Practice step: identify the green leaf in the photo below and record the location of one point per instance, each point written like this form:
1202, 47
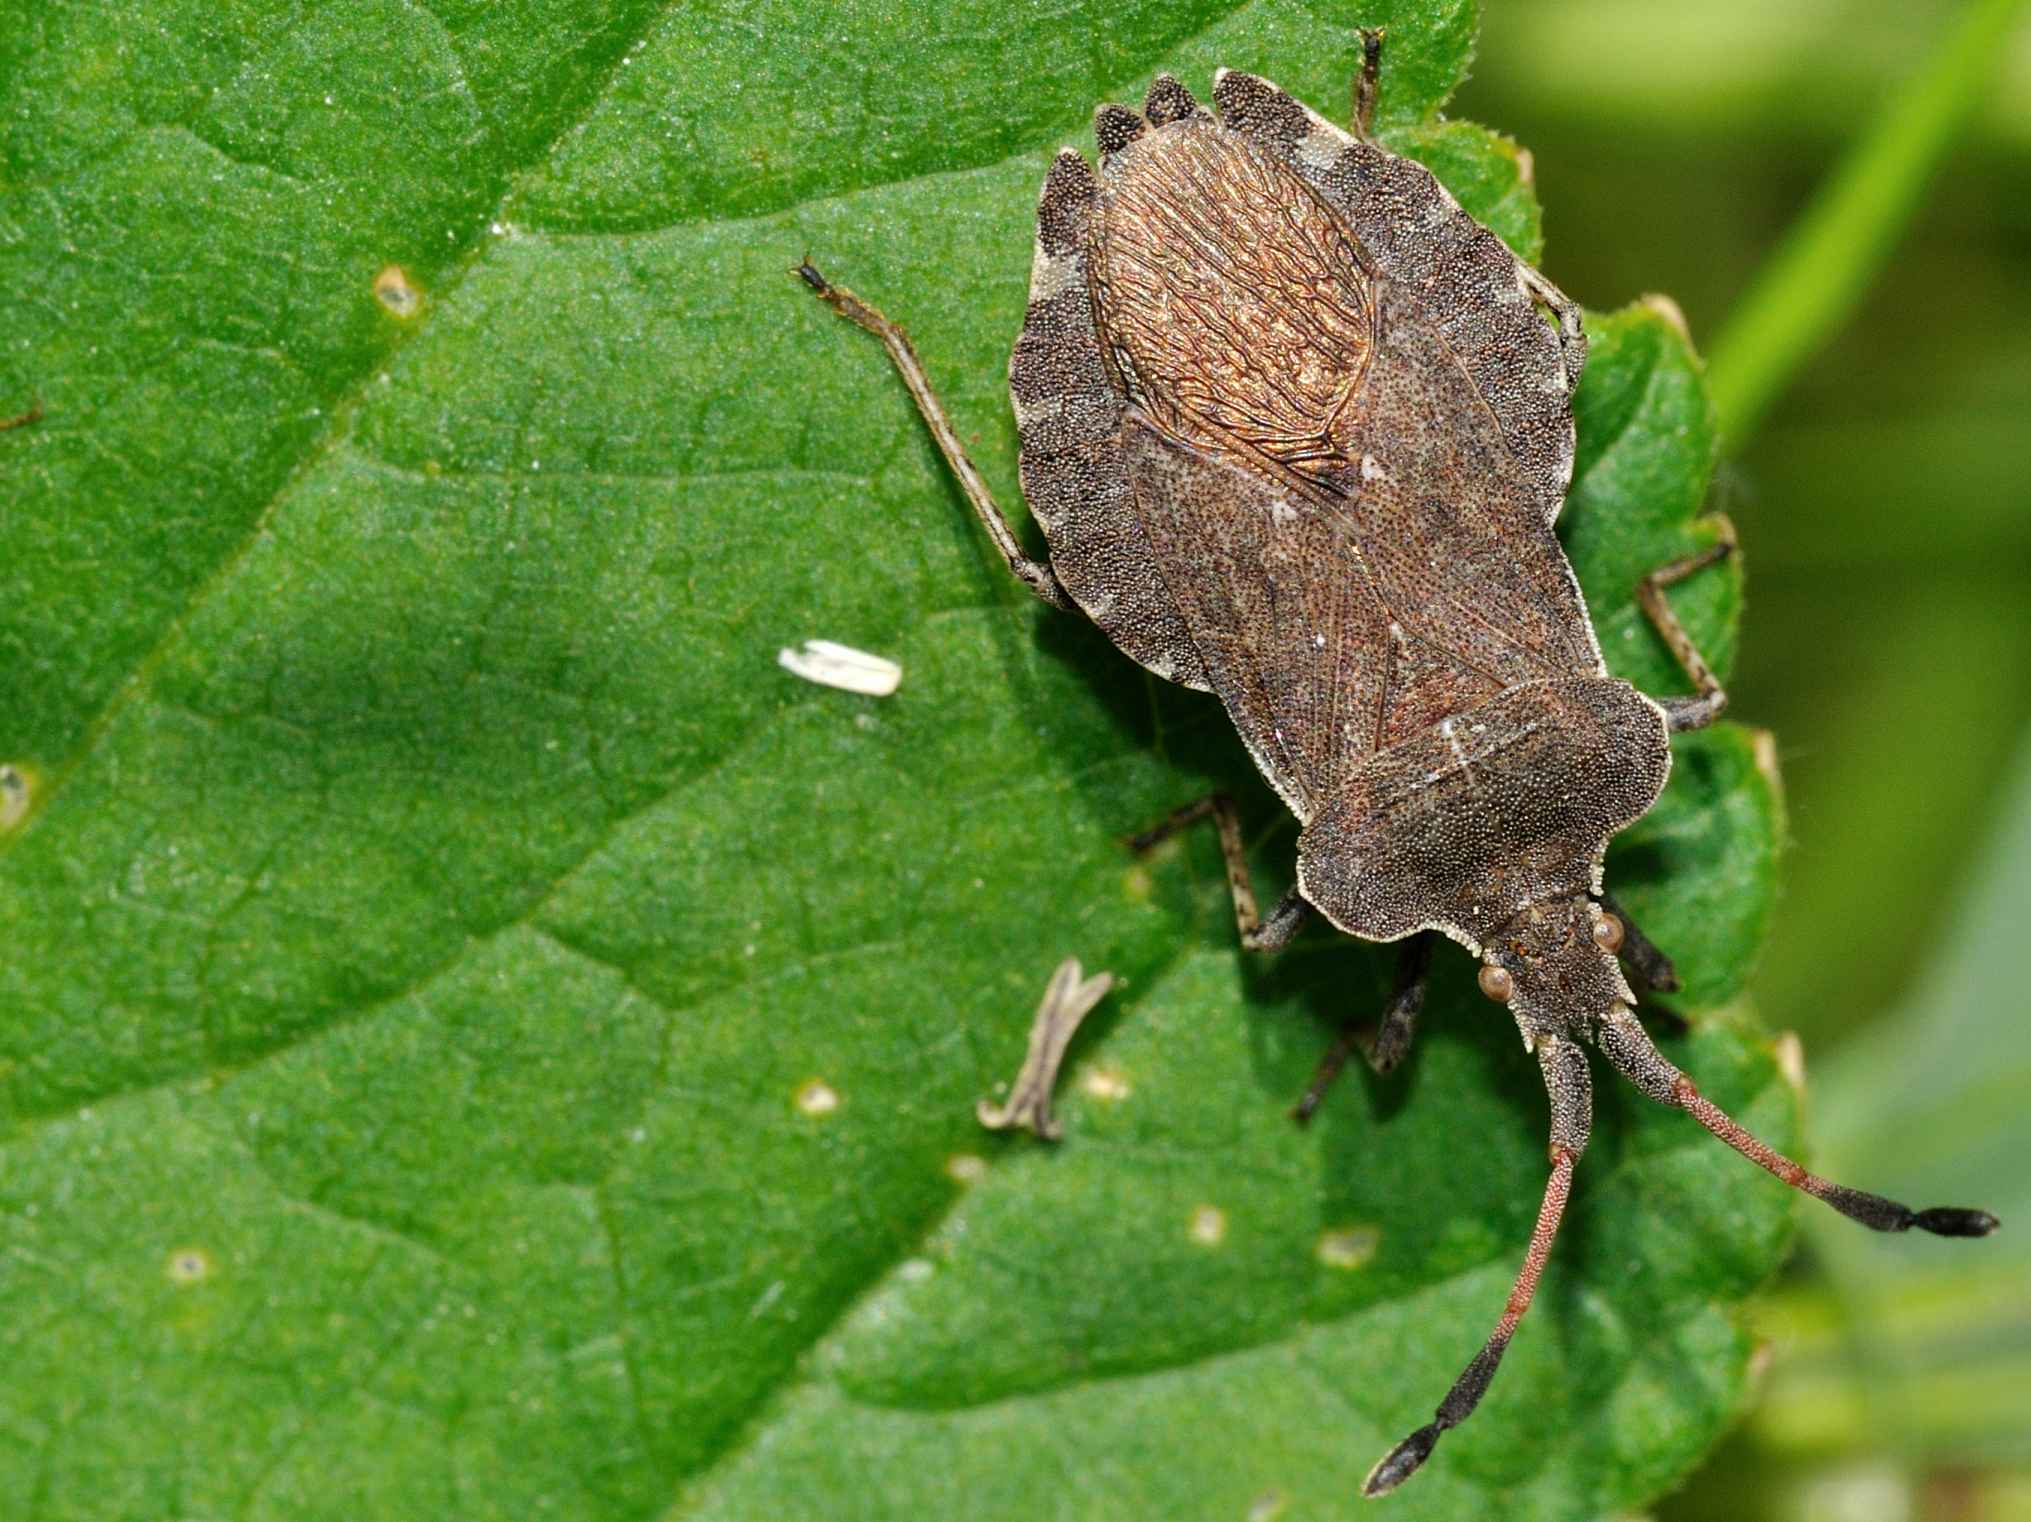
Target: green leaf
433, 902
1485, 170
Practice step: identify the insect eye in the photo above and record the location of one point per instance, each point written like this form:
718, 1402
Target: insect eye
1608, 933
1496, 983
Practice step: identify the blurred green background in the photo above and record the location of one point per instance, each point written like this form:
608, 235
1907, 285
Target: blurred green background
1884, 501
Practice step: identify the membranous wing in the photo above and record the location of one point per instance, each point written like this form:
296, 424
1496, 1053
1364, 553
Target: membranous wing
1235, 305
1328, 495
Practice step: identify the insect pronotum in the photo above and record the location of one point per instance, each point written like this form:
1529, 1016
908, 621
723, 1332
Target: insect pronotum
1297, 428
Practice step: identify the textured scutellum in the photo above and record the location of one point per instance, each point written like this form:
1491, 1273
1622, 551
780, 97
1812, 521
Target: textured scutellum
483, 1041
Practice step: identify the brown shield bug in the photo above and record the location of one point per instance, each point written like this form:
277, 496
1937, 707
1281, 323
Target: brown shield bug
1297, 428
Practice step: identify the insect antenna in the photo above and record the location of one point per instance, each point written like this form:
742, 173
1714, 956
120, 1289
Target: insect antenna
1625, 1044
1571, 1091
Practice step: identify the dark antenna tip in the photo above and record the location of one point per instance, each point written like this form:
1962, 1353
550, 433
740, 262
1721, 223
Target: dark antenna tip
1401, 1462
1955, 1221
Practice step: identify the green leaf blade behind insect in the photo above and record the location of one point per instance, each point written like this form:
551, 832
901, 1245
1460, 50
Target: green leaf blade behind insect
485, 1042
201, 222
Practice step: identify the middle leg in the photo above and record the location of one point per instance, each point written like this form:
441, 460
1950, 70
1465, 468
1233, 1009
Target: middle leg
1711, 698
1257, 933
1406, 1001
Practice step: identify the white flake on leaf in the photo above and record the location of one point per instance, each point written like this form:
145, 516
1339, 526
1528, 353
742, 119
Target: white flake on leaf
834, 665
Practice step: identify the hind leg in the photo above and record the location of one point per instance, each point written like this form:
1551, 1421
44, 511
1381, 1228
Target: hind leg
1034, 574
1368, 80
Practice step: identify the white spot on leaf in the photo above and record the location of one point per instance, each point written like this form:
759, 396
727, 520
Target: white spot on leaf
1208, 1225
1268, 1506
817, 1097
188, 1265
397, 294
1348, 1247
17, 791
1105, 1084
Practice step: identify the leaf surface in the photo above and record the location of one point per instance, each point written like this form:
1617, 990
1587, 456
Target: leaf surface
435, 911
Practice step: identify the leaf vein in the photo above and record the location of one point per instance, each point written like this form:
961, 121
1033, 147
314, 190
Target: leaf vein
337, 430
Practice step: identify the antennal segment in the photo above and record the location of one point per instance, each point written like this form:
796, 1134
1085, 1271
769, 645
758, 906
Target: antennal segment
1572, 1111
1623, 1042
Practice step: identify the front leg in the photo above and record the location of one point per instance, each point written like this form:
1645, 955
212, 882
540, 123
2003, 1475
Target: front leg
1413, 966
1392, 1037
1652, 967
1654, 971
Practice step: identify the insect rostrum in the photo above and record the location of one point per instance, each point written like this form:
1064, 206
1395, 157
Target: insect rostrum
1297, 430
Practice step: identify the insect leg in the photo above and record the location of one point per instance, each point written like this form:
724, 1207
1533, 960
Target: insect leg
1067, 999
1571, 1091
1034, 574
1392, 1037
1570, 319
1406, 1003
1652, 966
1623, 1042
1257, 934
1695, 712
1366, 81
